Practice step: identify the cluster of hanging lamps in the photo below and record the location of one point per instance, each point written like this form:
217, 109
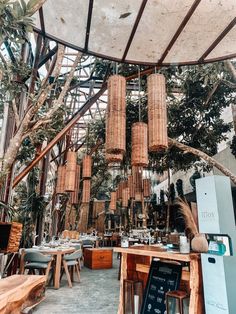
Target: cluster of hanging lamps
113, 158
157, 113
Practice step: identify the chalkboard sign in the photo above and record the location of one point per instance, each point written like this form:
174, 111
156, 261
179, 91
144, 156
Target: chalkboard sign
162, 277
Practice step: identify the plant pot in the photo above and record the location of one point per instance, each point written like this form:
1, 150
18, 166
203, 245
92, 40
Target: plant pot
199, 243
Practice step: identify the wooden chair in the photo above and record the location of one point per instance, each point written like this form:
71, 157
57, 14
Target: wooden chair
72, 261
36, 260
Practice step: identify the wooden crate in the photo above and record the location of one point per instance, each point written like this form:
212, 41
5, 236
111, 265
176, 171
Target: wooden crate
10, 235
97, 258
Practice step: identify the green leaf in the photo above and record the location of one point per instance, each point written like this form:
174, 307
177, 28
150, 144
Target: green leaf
31, 4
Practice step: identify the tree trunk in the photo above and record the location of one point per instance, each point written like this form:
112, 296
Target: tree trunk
211, 161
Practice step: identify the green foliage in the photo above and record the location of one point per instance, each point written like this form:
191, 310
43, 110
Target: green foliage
233, 146
15, 20
179, 188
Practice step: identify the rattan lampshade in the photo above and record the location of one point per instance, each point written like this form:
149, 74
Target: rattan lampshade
146, 187
113, 158
125, 197
157, 113
139, 154
70, 171
116, 115
74, 195
61, 173
112, 205
87, 166
122, 184
86, 191
138, 182
131, 186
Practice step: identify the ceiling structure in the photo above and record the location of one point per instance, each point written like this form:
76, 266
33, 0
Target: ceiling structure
151, 32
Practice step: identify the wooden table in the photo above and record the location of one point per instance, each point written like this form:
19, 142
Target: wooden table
19, 292
138, 259
57, 253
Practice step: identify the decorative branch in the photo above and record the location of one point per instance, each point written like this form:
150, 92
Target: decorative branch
211, 161
15, 111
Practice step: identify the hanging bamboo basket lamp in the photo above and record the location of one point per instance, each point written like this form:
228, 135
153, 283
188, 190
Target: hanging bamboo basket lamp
138, 182
139, 154
157, 113
122, 185
86, 191
87, 166
70, 171
125, 197
131, 186
74, 195
116, 115
146, 187
113, 158
61, 174
112, 205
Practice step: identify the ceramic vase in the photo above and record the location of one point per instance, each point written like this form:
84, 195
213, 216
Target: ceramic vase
199, 243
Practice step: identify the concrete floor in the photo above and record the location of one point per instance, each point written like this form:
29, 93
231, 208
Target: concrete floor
98, 293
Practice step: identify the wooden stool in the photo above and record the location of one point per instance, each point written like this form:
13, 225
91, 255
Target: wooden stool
177, 302
133, 294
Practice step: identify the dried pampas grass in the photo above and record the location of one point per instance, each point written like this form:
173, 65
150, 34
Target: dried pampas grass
188, 216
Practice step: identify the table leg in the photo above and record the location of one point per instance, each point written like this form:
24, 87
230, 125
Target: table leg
196, 291
123, 275
57, 273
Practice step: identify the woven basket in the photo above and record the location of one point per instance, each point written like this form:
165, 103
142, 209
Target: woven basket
86, 191
113, 158
131, 186
157, 113
87, 167
146, 187
70, 171
116, 115
139, 154
74, 195
61, 174
112, 205
125, 197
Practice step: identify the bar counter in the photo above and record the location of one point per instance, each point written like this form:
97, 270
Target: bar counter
136, 260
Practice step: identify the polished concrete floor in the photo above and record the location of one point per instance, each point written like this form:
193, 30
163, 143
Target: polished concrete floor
98, 293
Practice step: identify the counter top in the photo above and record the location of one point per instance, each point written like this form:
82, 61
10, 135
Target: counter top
153, 251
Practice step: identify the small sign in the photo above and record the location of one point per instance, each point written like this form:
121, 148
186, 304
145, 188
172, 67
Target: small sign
163, 277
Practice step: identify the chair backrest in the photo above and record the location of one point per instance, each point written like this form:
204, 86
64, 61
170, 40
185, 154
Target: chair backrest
65, 234
77, 247
88, 242
73, 256
37, 257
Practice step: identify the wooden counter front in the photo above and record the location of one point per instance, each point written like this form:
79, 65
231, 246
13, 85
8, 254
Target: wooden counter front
136, 263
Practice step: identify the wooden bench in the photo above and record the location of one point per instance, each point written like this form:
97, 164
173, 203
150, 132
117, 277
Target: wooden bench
20, 293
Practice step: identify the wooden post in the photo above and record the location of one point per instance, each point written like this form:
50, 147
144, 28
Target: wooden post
123, 275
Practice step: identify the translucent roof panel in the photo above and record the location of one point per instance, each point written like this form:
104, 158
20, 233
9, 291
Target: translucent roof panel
143, 31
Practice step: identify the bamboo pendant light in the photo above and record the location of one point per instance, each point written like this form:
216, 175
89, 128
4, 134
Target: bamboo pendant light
70, 171
157, 113
122, 184
113, 158
116, 115
112, 205
74, 195
131, 186
137, 177
87, 166
61, 174
146, 187
86, 191
125, 197
139, 154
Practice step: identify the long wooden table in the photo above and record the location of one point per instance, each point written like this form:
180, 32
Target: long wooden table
138, 259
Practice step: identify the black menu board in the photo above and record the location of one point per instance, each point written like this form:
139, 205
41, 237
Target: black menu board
162, 277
